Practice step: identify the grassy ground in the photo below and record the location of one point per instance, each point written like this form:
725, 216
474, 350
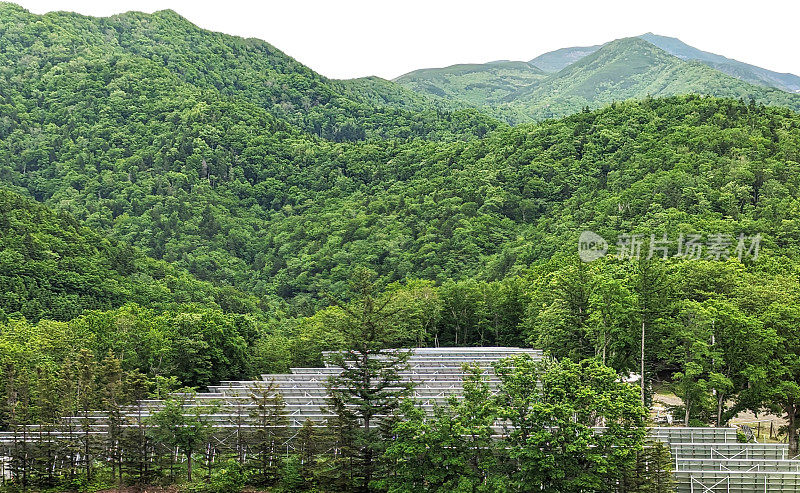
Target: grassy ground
664, 397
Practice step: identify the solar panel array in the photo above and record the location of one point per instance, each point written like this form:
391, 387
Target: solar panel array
706, 460
435, 372
711, 460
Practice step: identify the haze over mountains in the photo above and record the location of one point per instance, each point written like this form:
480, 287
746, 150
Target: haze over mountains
563, 81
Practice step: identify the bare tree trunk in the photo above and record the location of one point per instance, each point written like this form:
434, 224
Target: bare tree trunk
86, 453
367, 425
687, 406
642, 366
792, 430
605, 343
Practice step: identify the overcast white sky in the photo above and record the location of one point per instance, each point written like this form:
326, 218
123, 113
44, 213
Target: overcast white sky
352, 38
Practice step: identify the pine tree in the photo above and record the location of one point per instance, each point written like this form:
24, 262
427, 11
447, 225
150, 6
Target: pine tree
134, 441
86, 399
269, 430
112, 394
653, 472
183, 427
369, 386
49, 411
308, 445
69, 441
17, 407
240, 421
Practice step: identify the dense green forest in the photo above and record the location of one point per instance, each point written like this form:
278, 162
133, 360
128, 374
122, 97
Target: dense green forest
181, 207
54, 268
484, 208
51, 53
191, 175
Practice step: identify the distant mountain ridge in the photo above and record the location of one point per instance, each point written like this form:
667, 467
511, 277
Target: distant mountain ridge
556, 60
735, 68
565, 81
480, 84
553, 61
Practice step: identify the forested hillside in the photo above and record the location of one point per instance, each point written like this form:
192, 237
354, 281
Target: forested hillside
479, 85
54, 268
197, 175
279, 214
168, 49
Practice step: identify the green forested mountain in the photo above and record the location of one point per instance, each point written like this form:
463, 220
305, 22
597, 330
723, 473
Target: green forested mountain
554, 61
82, 123
479, 85
136, 126
178, 53
745, 71
204, 186
143, 146
630, 68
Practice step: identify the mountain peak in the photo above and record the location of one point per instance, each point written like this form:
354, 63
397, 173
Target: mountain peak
744, 71
557, 60
628, 55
